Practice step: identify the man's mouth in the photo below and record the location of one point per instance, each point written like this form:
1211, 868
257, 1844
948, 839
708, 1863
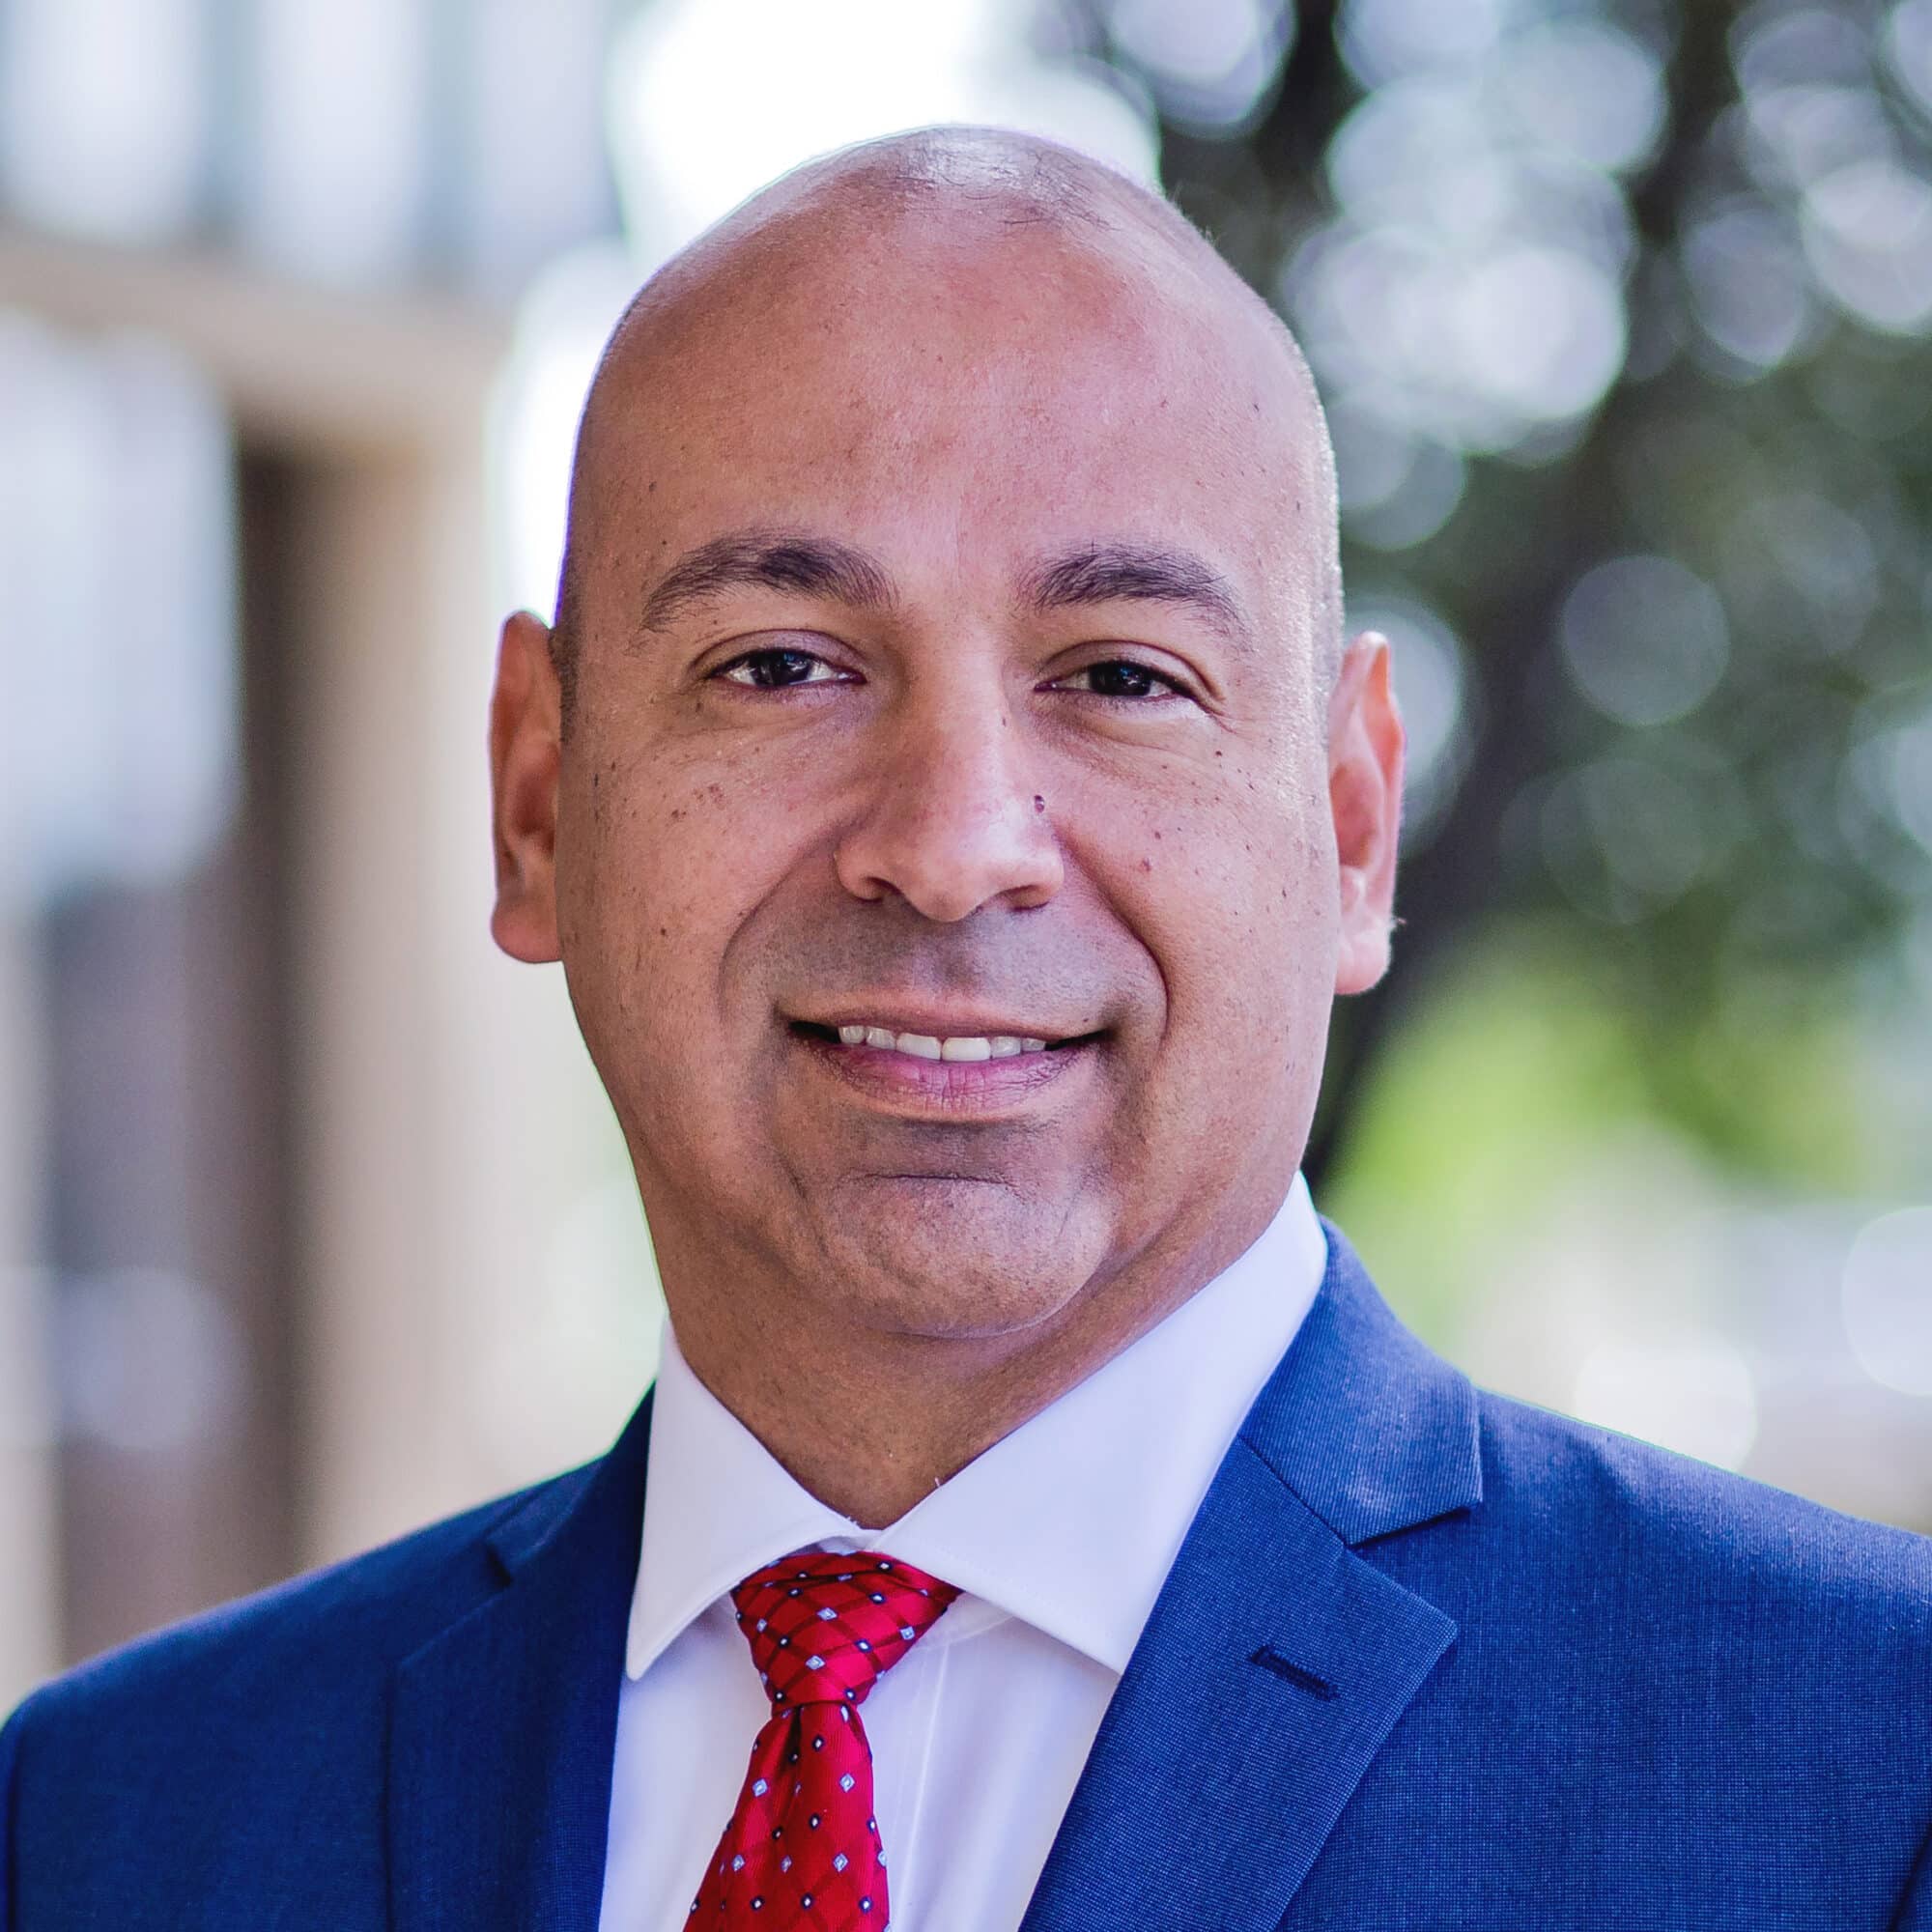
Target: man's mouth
953, 1046
918, 1063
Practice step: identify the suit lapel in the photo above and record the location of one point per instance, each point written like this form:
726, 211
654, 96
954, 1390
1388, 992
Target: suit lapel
504, 1727
1276, 1659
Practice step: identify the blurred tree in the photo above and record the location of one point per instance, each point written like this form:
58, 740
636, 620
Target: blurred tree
1624, 315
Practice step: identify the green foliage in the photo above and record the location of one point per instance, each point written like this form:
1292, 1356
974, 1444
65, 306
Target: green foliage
1527, 1057
1498, 1084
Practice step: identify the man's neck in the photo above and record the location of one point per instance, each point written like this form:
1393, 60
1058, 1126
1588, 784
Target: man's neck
870, 1423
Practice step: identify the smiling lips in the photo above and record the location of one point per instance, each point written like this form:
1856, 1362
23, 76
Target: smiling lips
953, 1046
905, 1065
938, 1075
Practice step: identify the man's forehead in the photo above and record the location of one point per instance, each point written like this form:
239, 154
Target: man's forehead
820, 343
982, 489
835, 361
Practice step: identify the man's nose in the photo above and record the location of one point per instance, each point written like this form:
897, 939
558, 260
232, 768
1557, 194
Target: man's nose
953, 818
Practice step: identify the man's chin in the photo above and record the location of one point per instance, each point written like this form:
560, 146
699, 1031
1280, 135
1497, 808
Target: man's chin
956, 1258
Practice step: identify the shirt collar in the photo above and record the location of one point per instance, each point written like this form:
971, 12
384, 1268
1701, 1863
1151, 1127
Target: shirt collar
1070, 1523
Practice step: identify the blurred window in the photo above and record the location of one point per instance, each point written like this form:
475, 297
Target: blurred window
104, 114
140, 897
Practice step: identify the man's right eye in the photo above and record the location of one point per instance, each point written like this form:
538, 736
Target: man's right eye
769, 671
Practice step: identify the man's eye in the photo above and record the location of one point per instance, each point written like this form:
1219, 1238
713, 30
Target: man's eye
1121, 678
768, 670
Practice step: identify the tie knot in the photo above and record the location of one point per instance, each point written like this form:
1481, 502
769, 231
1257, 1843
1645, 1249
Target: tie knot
824, 1627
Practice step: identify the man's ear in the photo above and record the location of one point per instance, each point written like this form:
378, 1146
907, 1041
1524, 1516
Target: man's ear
526, 757
1365, 765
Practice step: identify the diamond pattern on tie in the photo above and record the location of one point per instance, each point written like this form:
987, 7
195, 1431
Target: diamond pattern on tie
803, 1850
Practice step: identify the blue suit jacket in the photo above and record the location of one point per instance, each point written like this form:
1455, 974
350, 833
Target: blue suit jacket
1427, 1659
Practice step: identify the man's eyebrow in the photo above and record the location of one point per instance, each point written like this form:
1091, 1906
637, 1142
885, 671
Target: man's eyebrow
810, 566
1102, 573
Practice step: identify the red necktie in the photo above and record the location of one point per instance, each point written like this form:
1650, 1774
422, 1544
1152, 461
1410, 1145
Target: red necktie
803, 1850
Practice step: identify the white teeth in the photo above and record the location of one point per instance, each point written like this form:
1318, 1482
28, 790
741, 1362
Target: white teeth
933, 1046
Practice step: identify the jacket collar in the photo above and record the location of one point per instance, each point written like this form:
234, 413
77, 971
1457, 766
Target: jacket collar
1277, 1659
1369, 1429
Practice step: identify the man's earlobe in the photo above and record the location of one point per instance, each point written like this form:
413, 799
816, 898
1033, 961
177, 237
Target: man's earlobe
525, 759
1366, 745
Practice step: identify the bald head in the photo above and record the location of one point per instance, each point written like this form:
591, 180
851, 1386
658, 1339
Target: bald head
869, 234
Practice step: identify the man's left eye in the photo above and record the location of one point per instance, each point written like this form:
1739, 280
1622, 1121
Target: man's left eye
774, 669
1121, 678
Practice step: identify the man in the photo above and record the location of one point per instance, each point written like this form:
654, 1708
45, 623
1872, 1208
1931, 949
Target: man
954, 807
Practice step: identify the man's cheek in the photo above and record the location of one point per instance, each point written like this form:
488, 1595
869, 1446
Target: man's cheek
653, 885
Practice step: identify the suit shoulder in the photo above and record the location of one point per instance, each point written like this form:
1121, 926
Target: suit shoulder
1674, 1516
324, 1628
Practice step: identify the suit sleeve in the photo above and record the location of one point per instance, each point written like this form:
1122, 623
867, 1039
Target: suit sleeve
10, 1753
1914, 1909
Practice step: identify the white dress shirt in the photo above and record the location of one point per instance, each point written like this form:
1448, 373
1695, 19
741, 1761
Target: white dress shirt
1059, 1537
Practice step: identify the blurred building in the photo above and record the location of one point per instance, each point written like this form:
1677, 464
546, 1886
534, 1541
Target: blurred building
293, 1163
